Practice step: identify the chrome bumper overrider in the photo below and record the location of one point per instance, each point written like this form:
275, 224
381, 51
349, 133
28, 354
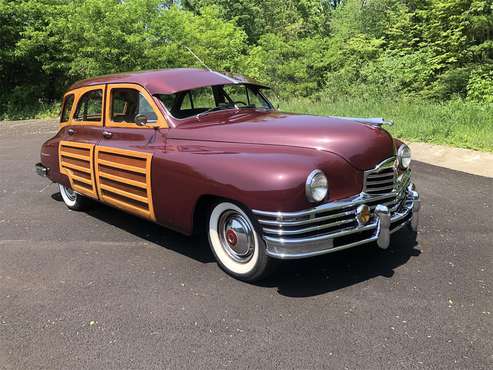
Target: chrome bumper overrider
390, 212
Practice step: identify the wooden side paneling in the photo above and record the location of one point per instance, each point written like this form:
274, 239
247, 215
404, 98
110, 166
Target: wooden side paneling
123, 179
75, 160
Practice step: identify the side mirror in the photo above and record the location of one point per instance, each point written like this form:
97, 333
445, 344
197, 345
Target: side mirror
141, 120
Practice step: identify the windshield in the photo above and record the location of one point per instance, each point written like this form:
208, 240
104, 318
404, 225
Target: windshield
213, 98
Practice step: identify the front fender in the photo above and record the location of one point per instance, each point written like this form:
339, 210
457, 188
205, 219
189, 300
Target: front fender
262, 177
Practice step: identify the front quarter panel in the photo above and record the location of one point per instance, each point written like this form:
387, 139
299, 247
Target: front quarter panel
260, 177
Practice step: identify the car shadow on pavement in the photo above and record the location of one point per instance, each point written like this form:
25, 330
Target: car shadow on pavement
191, 246
298, 278
334, 271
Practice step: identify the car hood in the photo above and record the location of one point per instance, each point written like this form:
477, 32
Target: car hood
362, 145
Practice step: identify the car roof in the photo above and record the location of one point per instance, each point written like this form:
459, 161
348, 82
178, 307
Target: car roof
169, 81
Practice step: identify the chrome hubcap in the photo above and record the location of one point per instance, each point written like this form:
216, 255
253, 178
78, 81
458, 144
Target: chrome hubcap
236, 236
69, 193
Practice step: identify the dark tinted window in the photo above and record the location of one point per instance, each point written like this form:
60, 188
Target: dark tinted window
67, 107
128, 103
90, 106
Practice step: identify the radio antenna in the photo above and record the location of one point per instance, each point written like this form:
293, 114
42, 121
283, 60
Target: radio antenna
196, 57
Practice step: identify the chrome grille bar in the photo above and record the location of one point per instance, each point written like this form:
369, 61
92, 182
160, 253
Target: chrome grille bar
381, 179
305, 222
307, 229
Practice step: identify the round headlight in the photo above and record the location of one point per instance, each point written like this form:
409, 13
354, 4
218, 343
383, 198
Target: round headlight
404, 156
316, 186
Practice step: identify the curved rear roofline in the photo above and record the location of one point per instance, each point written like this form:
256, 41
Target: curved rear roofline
170, 81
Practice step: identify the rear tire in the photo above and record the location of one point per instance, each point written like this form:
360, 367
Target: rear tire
72, 199
238, 247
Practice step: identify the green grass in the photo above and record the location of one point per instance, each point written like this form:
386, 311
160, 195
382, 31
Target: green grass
457, 123
31, 111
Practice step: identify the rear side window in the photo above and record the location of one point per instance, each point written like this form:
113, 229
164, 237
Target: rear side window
67, 108
90, 106
128, 103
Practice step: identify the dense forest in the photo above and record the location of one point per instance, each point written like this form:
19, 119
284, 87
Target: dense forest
434, 50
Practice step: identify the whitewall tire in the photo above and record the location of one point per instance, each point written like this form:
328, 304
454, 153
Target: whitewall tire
72, 199
237, 246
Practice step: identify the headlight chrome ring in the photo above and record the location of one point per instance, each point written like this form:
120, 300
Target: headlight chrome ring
316, 186
404, 156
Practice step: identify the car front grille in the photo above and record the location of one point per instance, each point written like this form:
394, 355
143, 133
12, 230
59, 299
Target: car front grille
381, 179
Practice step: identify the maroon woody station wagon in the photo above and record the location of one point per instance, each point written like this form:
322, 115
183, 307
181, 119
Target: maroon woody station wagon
191, 148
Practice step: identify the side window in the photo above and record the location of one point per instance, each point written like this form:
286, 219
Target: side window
128, 103
169, 101
187, 101
90, 106
237, 93
67, 107
203, 98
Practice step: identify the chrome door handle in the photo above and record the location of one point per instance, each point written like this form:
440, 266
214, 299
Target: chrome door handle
107, 134
71, 131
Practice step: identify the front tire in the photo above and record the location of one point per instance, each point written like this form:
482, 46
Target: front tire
237, 246
72, 199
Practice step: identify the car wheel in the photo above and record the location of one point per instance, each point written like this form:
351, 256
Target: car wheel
238, 248
72, 199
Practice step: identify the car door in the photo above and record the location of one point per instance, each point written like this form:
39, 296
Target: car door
124, 155
81, 128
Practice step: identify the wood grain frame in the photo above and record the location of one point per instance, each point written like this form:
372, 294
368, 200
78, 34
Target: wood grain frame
115, 194
81, 178
77, 95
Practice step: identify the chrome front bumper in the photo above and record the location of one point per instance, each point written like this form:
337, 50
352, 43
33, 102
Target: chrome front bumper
387, 218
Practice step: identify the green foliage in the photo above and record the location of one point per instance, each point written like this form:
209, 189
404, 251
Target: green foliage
425, 50
289, 18
455, 122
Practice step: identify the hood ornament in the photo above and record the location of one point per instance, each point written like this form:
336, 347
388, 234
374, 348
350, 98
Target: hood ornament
369, 121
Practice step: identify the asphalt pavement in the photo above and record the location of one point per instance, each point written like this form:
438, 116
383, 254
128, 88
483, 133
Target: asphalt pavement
106, 290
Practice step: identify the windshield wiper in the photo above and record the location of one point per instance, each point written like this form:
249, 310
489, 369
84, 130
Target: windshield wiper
213, 109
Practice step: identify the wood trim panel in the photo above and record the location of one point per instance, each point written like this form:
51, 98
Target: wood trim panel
160, 122
77, 95
132, 195
81, 184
